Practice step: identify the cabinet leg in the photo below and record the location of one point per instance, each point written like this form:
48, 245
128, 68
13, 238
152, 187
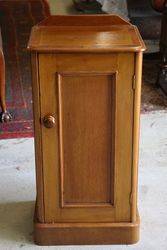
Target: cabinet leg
4, 115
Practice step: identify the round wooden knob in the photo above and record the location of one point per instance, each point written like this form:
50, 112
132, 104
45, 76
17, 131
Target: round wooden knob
49, 121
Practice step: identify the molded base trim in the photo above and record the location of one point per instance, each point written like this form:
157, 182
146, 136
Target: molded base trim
86, 233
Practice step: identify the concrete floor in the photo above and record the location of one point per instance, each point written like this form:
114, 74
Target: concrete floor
17, 190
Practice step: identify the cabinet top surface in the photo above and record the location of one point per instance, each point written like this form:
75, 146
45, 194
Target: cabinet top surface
85, 33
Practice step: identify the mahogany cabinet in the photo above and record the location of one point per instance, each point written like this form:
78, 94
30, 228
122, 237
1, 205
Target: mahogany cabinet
86, 95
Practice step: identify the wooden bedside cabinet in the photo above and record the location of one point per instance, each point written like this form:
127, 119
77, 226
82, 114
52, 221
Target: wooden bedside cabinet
86, 93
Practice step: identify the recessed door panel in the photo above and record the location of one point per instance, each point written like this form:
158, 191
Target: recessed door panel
86, 124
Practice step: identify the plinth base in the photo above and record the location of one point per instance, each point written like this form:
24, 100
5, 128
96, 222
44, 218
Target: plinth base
86, 233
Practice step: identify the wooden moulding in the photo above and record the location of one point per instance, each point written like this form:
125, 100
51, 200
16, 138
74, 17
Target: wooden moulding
46, 234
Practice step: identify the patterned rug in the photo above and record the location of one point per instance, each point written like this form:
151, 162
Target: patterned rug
16, 19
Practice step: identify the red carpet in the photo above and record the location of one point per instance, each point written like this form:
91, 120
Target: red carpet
16, 19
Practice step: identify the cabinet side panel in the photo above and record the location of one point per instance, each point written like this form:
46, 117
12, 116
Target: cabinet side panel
86, 113
38, 139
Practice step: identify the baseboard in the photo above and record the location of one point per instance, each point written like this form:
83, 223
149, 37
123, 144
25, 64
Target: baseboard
86, 233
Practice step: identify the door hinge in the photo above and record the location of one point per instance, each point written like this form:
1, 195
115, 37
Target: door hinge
130, 198
134, 82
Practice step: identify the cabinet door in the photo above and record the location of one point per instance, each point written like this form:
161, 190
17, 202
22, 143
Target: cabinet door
87, 155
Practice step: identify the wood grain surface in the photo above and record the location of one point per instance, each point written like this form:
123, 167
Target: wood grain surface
97, 33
